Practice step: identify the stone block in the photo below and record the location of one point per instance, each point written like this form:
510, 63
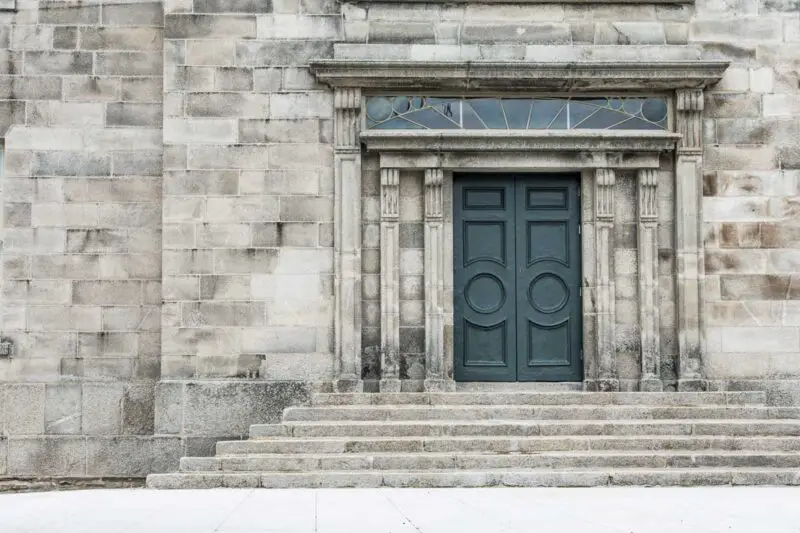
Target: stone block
118, 456
65, 37
227, 105
199, 314
132, 39
306, 209
629, 33
188, 261
64, 63
25, 406
65, 12
211, 53
245, 261
27, 37
62, 412
294, 26
142, 89
139, 163
233, 79
11, 113
232, 6
144, 13
537, 33
228, 409
242, 209
225, 287
106, 292
129, 63
295, 106
138, 409
286, 131
759, 287
269, 53
95, 89
228, 157
761, 29
133, 114
47, 456
205, 26
202, 182
30, 87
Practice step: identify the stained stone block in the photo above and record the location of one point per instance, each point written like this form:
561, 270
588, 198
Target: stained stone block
306, 209
733, 29
70, 164
245, 261
205, 26
232, 6
133, 114
121, 39
629, 33
65, 38
62, 413
189, 261
266, 53
201, 182
539, 33
138, 409
65, 12
58, 63
47, 456
91, 89
210, 52
233, 79
106, 292
294, 106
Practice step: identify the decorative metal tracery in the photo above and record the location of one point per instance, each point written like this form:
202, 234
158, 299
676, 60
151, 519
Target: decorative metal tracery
430, 112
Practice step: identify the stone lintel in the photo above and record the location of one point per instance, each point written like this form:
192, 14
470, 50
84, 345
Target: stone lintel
519, 140
513, 161
585, 76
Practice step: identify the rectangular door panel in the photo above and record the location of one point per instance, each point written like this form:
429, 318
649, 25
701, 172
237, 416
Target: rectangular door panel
548, 280
484, 263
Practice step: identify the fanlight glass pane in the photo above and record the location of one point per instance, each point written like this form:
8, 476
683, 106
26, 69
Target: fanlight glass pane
429, 112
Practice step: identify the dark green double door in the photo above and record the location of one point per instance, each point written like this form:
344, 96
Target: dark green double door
517, 308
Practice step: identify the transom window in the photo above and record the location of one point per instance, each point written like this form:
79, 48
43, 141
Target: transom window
433, 112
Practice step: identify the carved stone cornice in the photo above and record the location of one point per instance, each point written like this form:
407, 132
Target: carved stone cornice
519, 140
587, 76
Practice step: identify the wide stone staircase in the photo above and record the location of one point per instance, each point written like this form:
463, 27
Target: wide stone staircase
515, 439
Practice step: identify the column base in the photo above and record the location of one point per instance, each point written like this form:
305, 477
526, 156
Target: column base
348, 384
650, 385
390, 385
440, 385
692, 385
607, 385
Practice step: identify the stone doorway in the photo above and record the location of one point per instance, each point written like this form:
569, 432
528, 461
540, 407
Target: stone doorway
517, 281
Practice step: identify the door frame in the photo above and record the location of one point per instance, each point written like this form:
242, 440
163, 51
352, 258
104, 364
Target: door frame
514, 178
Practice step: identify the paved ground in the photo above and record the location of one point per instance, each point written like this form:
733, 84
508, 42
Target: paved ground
607, 510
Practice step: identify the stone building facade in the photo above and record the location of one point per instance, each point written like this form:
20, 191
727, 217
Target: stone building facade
201, 227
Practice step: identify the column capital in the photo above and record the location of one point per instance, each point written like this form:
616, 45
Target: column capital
689, 99
434, 177
689, 120
347, 98
648, 194
605, 178
390, 193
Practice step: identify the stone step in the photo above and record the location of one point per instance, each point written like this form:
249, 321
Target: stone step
528, 428
593, 477
482, 461
517, 412
500, 444
529, 386
543, 398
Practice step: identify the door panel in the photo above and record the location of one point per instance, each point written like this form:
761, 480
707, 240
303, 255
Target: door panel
548, 281
484, 261
516, 278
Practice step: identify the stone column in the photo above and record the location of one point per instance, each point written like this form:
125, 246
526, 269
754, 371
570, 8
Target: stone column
390, 280
347, 240
435, 378
688, 239
605, 285
647, 234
